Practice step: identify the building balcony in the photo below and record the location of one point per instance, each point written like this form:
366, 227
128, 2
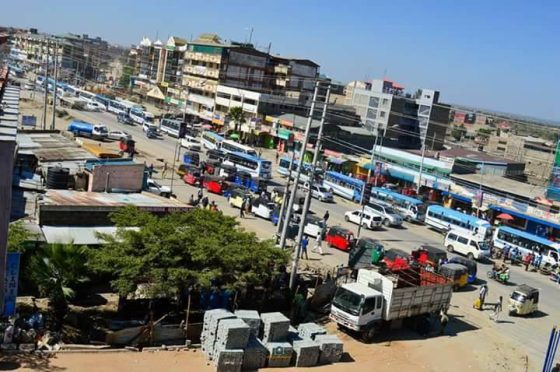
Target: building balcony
201, 71
195, 56
282, 69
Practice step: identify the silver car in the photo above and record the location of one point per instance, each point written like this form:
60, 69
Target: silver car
389, 215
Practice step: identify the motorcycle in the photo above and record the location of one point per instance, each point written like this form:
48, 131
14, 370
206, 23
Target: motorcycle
502, 277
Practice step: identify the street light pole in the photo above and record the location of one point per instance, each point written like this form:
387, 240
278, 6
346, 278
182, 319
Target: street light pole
298, 171
307, 201
285, 198
175, 156
372, 165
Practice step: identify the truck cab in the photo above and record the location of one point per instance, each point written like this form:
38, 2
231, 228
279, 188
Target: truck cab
356, 306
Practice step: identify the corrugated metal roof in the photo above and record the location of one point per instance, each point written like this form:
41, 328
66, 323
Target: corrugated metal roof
71, 198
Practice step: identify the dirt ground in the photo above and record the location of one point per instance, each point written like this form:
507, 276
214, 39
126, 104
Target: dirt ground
475, 350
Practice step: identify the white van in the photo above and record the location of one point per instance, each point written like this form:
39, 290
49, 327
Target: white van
467, 245
191, 143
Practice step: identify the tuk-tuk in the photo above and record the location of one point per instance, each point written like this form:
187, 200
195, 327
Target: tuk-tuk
191, 158
396, 259
429, 255
469, 264
365, 252
212, 166
216, 155
228, 172
524, 300
192, 175
214, 184
237, 197
341, 238
455, 272
277, 194
256, 185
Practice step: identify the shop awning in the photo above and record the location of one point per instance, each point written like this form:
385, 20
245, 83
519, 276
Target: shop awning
458, 197
402, 175
524, 216
337, 161
155, 92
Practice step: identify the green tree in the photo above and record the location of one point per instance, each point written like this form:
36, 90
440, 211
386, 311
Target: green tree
238, 116
17, 236
124, 80
179, 250
458, 132
57, 269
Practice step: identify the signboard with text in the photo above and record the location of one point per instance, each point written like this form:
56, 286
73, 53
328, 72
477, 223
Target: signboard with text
11, 283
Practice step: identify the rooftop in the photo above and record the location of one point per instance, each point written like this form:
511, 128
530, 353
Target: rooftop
51, 146
465, 154
503, 185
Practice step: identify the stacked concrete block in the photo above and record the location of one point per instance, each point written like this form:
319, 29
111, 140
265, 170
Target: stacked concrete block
211, 321
232, 334
252, 318
306, 353
310, 330
280, 354
255, 355
293, 335
229, 360
275, 327
331, 348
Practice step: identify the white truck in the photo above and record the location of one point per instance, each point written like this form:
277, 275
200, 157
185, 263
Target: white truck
376, 301
155, 188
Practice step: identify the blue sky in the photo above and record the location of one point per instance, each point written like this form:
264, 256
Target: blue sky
497, 54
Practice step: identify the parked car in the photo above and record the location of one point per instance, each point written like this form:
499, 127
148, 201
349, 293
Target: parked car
369, 220
319, 192
124, 118
150, 133
458, 242
156, 188
341, 238
389, 215
313, 225
191, 143
263, 208
117, 135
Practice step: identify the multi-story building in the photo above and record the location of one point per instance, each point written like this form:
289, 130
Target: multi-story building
537, 154
147, 59
292, 77
408, 120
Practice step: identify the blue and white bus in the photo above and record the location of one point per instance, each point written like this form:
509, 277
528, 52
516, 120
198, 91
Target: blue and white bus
86, 96
526, 243
103, 99
255, 166
284, 166
211, 140
229, 146
284, 170
138, 115
345, 186
411, 209
118, 107
445, 219
172, 127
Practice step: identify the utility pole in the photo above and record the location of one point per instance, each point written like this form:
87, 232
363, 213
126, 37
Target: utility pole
55, 84
46, 88
307, 201
372, 165
298, 172
421, 168
285, 198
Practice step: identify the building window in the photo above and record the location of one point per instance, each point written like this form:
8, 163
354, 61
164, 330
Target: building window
424, 110
371, 114
381, 114
373, 101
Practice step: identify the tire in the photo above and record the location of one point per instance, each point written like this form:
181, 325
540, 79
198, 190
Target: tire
365, 226
386, 222
470, 256
408, 219
368, 334
489, 275
450, 248
346, 219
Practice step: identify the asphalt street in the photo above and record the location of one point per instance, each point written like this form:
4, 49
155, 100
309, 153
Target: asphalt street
530, 333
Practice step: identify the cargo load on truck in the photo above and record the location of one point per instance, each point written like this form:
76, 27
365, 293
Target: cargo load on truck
378, 300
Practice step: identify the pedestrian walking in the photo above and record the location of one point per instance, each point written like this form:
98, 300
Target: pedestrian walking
304, 243
151, 170
200, 194
505, 253
537, 261
164, 171
497, 310
528, 260
242, 209
482, 293
191, 200
277, 157
318, 243
326, 217
443, 320
205, 202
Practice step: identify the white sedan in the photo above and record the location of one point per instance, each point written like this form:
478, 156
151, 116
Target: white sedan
117, 135
262, 208
369, 219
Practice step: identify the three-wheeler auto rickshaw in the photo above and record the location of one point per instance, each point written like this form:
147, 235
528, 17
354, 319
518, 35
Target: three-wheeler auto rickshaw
192, 175
341, 238
524, 300
214, 184
396, 259
429, 255
469, 264
457, 273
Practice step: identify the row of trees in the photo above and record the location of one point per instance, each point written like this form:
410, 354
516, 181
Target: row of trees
163, 254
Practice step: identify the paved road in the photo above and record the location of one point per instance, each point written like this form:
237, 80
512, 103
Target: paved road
530, 333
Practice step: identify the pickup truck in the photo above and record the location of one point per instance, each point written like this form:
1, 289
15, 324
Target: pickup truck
155, 188
379, 301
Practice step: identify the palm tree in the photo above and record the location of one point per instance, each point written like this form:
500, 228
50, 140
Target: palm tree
57, 268
238, 116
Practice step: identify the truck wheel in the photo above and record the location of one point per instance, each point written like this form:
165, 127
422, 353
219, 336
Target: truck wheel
470, 256
368, 334
346, 219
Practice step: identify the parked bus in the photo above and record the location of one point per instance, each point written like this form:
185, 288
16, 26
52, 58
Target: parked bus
211, 140
256, 167
71, 91
138, 115
526, 243
229, 146
86, 96
118, 107
284, 166
345, 186
173, 128
411, 209
445, 219
103, 99
284, 170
